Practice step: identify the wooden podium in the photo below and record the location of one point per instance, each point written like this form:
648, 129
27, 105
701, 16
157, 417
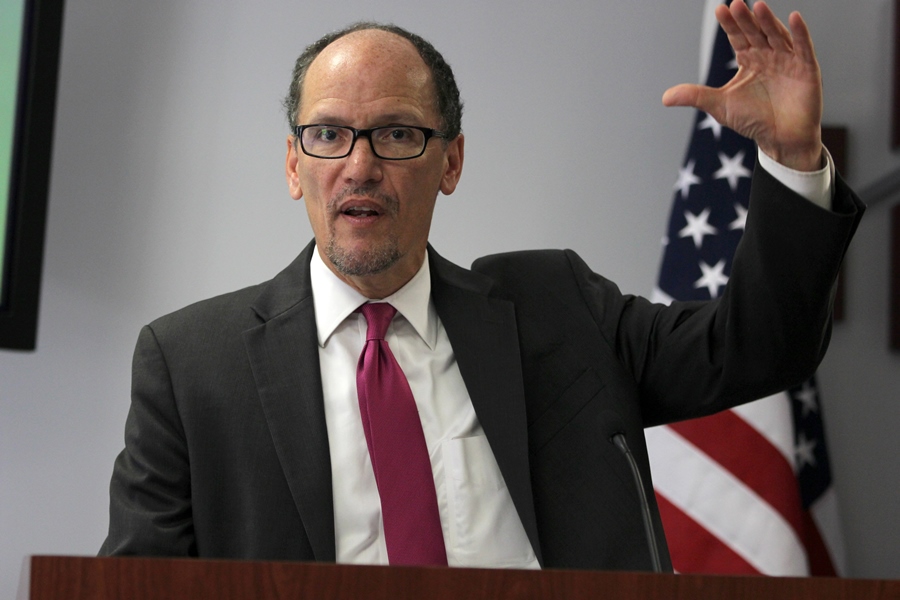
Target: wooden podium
81, 578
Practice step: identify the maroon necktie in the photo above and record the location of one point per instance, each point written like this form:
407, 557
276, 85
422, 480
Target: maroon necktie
409, 510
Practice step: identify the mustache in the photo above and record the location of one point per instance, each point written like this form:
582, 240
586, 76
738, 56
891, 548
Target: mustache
390, 203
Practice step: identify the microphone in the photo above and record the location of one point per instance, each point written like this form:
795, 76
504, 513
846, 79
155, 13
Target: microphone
618, 439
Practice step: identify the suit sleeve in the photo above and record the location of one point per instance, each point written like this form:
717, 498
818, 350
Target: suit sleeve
767, 332
150, 492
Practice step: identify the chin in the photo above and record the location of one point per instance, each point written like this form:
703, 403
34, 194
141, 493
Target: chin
361, 262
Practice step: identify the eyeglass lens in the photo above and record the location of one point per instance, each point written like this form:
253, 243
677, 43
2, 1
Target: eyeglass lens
331, 141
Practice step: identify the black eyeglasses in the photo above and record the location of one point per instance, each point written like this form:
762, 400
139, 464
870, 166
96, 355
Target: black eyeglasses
394, 142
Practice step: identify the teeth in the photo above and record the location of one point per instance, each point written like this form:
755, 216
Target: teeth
354, 211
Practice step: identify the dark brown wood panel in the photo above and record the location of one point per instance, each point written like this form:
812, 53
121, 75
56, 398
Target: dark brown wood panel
75, 578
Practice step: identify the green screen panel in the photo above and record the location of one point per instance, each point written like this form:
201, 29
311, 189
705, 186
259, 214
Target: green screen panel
11, 15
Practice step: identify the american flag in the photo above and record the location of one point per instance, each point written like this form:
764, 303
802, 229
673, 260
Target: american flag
746, 491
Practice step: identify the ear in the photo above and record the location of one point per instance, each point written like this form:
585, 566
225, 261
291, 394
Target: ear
291, 163
454, 165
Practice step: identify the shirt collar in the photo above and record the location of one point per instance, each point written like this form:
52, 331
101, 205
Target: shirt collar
334, 301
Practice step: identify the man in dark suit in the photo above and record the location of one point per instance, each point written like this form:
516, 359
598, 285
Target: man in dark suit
245, 439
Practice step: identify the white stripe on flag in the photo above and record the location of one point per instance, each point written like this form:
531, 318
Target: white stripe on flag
707, 35
723, 505
772, 418
660, 297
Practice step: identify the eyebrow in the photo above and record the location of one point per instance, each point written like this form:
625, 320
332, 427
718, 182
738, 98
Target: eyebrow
398, 118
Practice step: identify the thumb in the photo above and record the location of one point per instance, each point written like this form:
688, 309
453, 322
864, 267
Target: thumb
691, 94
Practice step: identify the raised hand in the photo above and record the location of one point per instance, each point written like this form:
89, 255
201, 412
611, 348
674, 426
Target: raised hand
776, 96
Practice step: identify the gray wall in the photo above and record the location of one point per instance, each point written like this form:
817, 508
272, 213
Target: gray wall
168, 187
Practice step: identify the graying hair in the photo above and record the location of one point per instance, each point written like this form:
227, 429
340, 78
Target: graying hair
449, 105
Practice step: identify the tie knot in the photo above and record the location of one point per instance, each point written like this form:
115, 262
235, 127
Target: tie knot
378, 316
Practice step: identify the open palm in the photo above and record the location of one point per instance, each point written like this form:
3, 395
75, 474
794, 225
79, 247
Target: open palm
776, 96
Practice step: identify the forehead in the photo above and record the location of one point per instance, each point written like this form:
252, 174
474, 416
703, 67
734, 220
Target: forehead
365, 72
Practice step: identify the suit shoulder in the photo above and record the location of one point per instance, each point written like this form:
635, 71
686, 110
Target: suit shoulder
224, 312
558, 280
518, 257
224, 318
533, 267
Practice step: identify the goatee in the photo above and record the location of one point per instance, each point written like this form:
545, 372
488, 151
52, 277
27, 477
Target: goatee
363, 262
369, 261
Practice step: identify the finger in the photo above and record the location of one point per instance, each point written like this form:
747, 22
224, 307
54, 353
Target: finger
680, 95
803, 44
778, 36
746, 20
735, 36
701, 97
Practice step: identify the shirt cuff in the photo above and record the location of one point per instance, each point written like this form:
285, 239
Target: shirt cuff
815, 186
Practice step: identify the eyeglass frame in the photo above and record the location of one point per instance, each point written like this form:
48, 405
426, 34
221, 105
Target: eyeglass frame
367, 133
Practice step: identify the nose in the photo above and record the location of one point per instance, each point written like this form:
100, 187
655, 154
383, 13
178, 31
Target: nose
362, 165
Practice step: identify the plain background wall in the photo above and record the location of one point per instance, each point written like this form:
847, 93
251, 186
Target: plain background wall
168, 187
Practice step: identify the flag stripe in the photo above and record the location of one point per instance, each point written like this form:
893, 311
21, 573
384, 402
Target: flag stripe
820, 562
701, 552
736, 439
723, 505
771, 417
824, 513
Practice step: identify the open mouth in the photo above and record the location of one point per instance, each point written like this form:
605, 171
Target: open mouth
360, 211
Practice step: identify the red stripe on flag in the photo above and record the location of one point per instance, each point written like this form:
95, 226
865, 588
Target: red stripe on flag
820, 563
742, 450
696, 550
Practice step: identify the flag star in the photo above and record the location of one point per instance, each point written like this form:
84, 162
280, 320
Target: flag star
697, 226
710, 123
732, 169
686, 179
807, 397
713, 278
740, 221
805, 451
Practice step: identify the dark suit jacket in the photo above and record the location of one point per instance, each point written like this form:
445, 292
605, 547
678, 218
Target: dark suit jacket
226, 451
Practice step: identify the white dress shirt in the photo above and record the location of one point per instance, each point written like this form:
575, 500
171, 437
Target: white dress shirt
815, 186
480, 524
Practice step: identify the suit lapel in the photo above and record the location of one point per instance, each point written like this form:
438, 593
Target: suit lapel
483, 333
284, 357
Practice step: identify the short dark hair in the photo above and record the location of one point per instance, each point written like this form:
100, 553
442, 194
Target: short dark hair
449, 105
